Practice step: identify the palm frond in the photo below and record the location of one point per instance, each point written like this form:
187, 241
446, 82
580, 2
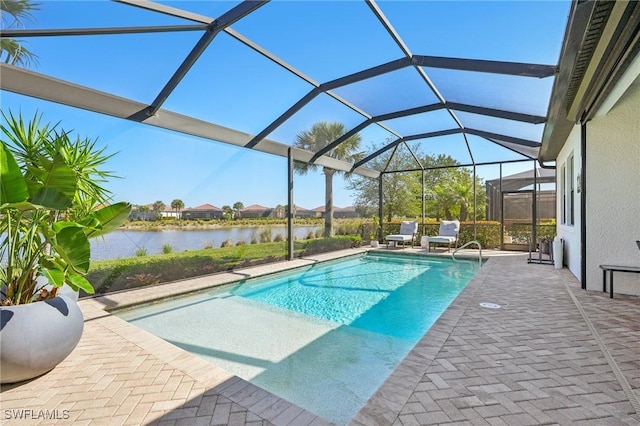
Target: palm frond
18, 10
322, 134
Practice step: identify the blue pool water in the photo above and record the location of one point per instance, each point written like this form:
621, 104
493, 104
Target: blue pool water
324, 337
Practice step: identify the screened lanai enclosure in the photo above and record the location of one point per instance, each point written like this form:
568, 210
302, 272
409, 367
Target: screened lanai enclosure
423, 86
525, 206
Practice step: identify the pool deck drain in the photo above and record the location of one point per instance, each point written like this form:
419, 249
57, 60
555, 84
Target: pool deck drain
541, 358
489, 305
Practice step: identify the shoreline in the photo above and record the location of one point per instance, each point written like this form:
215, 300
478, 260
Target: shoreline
154, 226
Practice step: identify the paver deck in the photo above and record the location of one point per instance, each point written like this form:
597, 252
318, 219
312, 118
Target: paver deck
551, 354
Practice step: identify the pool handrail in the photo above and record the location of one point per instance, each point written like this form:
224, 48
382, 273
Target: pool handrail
467, 244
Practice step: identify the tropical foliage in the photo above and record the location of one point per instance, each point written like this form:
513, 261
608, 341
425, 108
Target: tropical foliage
51, 203
227, 212
158, 208
448, 189
319, 136
177, 205
237, 207
13, 13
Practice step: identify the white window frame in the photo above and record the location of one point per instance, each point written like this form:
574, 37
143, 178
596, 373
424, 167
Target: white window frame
571, 190
563, 194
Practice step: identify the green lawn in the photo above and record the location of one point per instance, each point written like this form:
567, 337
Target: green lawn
119, 274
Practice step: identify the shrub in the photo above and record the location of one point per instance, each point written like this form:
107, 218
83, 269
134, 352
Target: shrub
487, 232
141, 252
347, 227
265, 235
227, 243
141, 280
167, 248
118, 274
323, 245
241, 243
356, 241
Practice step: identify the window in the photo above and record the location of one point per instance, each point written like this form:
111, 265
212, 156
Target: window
563, 194
570, 190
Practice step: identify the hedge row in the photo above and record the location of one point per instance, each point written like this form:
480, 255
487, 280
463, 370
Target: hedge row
487, 232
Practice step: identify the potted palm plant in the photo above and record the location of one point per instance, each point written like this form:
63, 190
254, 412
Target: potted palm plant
51, 203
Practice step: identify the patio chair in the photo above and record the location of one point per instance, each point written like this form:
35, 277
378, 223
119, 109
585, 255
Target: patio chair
448, 234
408, 231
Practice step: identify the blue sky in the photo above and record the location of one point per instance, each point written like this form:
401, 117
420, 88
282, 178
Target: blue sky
236, 87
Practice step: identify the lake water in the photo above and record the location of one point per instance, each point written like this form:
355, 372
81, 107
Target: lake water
125, 243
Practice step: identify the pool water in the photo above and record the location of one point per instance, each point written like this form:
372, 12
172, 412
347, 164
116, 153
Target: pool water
323, 337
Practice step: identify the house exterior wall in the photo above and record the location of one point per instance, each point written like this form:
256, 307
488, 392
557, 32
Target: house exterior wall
305, 213
201, 214
613, 191
256, 214
173, 214
570, 233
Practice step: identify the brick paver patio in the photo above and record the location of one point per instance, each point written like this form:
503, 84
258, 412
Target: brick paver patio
551, 354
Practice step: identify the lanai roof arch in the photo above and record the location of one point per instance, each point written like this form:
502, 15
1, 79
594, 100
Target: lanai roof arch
416, 86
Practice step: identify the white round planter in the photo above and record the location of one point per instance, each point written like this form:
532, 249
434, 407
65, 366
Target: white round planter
34, 338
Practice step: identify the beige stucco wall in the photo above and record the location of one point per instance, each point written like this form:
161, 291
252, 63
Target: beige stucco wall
613, 191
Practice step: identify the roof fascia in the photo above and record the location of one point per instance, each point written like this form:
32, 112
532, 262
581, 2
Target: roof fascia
583, 83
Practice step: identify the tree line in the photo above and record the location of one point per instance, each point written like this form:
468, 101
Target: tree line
449, 190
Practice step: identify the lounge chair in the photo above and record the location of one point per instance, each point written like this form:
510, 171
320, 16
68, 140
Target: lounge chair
448, 234
408, 231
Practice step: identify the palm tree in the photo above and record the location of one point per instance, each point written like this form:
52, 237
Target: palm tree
13, 12
227, 211
320, 135
177, 205
157, 208
463, 192
144, 212
237, 206
32, 141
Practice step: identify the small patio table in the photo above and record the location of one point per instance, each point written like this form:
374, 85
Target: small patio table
611, 269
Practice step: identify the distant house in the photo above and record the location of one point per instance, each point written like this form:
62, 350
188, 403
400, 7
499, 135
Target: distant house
145, 212
302, 212
257, 211
141, 212
169, 212
205, 211
338, 212
345, 212
318, 211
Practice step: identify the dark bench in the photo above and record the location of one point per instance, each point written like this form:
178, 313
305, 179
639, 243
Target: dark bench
611, 268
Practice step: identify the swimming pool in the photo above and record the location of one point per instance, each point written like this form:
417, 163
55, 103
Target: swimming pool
324, 337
